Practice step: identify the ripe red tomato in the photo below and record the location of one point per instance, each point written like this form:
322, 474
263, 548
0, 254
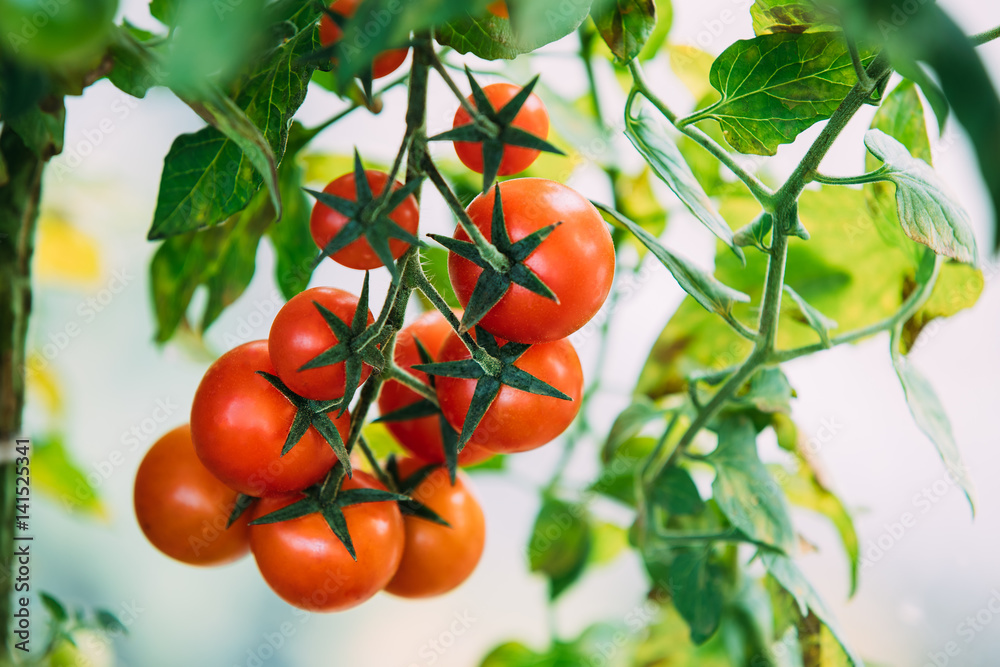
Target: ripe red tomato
308, 566
299, 334
531, 118
517, 420
421, 437
384, 64
182, 509
239, 423
438, 558
325, 223
499, 9
576, 261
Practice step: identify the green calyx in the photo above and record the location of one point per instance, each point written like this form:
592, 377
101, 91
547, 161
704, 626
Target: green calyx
329, 499
368, 217
354, 347
490, 377
498, 276
408, 487
494, 129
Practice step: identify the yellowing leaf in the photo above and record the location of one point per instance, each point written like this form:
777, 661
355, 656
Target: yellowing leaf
692, 66
55, 474
64, 254
43, 384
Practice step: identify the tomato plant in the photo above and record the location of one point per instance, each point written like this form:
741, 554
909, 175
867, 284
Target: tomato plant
240, 423
301, 334
309, 567
471, 357
576, 261
531, 117
421, 436
183, 509
436, 557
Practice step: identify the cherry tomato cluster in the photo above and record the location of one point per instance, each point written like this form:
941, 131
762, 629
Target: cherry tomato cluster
265, 466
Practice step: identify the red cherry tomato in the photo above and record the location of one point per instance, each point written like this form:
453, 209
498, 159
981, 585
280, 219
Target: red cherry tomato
239, 423
384, 64
517, 420
308, 566
325, 223
299, 334
499, 9
532, 118
438, 558
182, 509
576, 261
421, 437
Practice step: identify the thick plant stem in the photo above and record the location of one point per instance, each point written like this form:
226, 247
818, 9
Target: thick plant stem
19, 199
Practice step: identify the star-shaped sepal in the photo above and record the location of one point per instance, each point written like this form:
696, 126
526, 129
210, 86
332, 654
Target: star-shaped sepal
492, 367
329, 500
368, 216
496, 129
426, 408
355, 347
498, 276
408, 487
311, 413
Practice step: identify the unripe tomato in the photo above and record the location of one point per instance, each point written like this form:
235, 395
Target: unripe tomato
183, 509
532, 118
325, 223
576, 261
517, 420
299, 334
384, 64
308, 566
239, 423
438, 558
421, 437
56, 31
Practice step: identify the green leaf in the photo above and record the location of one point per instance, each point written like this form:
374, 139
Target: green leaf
913, 72
133, 70
696, 587
958, 287
294, 248
165, 11
662, 154
55, 608
847, 272
931, 418
755, 232
210, 175
617, 478
41, 131
628, 424
744, 489
816, 320
768, 391
57, 475
776, 86
704, 287
625, 25
221, 258
657, 38
560, 543
793, 16
926, 208
533, 24
788, 575
108, 622
675, 492
608, 541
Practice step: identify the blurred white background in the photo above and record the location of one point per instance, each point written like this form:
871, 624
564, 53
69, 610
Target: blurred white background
915, 593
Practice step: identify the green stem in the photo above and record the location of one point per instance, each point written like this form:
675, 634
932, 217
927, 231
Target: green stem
477, 118
984, 37
757, 188
489, 252
19, 200
422, 283
405, 378
870, 177
376, 466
